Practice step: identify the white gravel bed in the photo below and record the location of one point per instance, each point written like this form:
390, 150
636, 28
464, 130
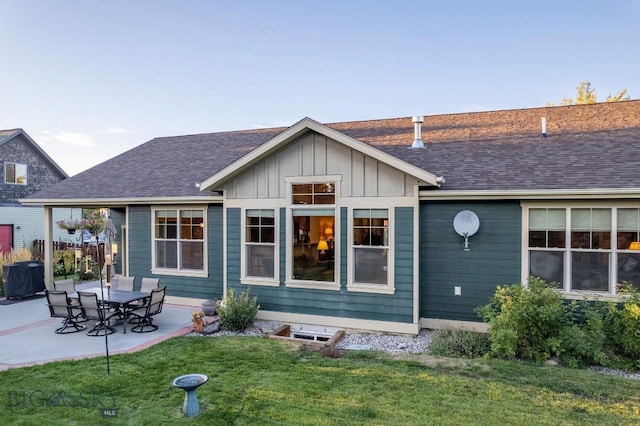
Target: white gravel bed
384, 342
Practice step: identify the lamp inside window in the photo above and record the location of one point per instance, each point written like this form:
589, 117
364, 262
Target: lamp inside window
635, 245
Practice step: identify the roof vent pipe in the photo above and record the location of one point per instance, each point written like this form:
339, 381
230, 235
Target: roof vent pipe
417, 125
543, 134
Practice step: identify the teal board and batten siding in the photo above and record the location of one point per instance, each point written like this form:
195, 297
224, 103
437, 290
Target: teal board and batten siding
397, 307
493, 259
139, 231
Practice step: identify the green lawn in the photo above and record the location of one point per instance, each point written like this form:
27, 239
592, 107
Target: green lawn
254, 380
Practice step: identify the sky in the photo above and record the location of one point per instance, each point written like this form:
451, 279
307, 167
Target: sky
89, 80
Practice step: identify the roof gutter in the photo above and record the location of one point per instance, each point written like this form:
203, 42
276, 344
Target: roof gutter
546, 194
102, 202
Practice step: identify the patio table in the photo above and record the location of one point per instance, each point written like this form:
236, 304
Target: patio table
121, 300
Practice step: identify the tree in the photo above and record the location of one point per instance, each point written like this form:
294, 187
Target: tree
587, 95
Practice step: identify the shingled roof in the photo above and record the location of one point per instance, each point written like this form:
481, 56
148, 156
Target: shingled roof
587, 147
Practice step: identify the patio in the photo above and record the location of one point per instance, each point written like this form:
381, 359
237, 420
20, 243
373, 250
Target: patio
27, 334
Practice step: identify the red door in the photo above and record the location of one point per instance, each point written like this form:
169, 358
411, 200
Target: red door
6, 238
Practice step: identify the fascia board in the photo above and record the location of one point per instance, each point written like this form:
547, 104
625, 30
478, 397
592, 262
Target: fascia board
547, 194
122, 201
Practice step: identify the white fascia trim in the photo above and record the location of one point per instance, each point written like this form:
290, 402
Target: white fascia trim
102, 202
549, 194
302, 127
346, 323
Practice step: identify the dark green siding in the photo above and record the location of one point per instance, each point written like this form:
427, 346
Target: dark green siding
493, 259
394, 307
140, 255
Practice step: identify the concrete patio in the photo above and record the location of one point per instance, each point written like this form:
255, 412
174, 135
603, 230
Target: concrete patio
27, 334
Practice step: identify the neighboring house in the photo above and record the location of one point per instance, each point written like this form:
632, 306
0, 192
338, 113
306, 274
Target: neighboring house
344, 224
25, 169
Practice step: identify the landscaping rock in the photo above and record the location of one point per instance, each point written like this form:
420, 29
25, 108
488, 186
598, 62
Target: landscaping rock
211, 328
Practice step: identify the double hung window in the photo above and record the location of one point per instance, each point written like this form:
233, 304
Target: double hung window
370, 246
179, 239
260, 243
585, 248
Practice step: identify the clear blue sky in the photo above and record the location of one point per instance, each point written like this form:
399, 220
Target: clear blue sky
89, 80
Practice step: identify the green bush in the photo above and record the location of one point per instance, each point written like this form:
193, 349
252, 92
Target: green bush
237, 312
622, 328
534, 323
525, 322
459, 343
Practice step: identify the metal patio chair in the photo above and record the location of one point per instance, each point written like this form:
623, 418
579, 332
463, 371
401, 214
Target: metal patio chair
59, 307
143, 316
92, 310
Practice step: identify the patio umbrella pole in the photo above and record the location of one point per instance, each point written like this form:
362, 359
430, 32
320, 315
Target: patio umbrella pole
104, 312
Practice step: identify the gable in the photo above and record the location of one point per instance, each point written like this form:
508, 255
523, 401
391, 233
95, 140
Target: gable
310, 149
314, 154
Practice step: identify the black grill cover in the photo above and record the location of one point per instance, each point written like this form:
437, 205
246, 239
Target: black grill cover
23, 279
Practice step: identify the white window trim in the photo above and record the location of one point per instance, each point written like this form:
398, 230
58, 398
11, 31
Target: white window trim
289, 280
263, 281
205, 254
388, 288
26, 179
611, 294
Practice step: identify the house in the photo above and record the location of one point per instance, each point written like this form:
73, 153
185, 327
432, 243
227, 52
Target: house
390, 225
26, 169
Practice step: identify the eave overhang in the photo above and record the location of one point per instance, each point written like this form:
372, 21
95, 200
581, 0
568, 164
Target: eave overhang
105, 202
541, 194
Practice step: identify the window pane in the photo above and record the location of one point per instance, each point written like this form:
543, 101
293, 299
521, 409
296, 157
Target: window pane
267, 235
260, 261
581, 240
166, 254
625, 239
628, 220
10, 173
537, 219
590, 271
547, 265
21, 174
370, 266
557, 239
312, 250
601, 240
537, 239
629, 269
580, 219
191, 252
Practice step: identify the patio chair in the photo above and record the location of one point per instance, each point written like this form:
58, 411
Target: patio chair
149, 284
67, 285
59, 307
125, 283
143, 316
92, 310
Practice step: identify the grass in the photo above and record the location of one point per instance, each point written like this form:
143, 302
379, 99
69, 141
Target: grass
253, 380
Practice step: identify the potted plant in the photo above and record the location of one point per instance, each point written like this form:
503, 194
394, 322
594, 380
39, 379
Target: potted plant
94, 222
70, 224
198, 321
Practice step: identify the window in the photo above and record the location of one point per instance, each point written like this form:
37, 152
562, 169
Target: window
260, 243
15, 173
370, 246
313, 232
585, 248
179, 239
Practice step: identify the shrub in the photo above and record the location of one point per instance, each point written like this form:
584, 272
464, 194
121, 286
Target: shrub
237, 312
525, 322
459, 343
622, 327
